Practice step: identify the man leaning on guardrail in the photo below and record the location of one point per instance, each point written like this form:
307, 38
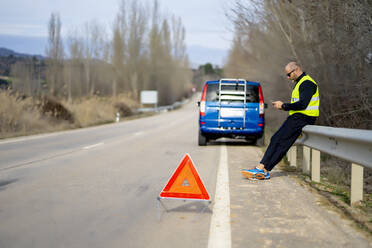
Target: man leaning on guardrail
303, 110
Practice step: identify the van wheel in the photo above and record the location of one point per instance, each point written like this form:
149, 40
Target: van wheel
202, 140
261, 141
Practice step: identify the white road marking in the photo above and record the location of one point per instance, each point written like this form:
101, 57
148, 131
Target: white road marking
138, 133
47, 135
220, 229
92, 146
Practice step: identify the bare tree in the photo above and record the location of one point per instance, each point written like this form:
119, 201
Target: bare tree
55, 55
178, 39
117, 57
182, 77
74, 65
329, 38
137, 27
154, 47
140, 56
120, 48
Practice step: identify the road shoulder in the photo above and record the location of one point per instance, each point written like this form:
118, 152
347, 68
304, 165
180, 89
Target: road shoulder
280, 212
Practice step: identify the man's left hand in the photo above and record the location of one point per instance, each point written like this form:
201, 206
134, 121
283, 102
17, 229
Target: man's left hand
277, 104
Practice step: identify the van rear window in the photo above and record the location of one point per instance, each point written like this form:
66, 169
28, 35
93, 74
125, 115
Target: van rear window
230, 92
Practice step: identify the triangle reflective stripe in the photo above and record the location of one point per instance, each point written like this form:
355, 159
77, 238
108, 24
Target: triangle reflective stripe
185, 182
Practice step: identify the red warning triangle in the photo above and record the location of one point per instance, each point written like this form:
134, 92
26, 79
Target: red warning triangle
185, 182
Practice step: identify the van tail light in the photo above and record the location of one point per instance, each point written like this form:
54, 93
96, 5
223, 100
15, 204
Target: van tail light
261, 103
202, 101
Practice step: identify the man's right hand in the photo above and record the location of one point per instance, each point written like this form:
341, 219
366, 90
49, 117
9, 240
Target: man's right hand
277, 104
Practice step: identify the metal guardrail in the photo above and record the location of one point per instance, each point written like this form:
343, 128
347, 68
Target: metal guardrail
163, 108
175, 105
353, 145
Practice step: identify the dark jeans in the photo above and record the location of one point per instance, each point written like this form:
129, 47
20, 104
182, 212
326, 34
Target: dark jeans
284, 138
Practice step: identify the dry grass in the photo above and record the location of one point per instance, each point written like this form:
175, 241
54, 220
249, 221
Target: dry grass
91, 111
98, 110
24, 116
20, 116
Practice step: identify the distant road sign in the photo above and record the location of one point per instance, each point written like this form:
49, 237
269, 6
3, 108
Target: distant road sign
149, 97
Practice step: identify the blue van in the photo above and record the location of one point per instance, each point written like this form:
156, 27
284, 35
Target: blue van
232, 108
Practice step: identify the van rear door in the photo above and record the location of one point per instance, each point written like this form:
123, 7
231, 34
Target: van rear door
232, 105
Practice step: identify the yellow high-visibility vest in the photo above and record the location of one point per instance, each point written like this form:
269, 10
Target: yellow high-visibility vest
312, 108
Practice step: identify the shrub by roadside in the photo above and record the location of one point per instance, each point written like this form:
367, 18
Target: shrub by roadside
52, 108
91, 111
100, 110
20, 115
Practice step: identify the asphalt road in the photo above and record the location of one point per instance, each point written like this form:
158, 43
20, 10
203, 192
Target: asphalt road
97, 187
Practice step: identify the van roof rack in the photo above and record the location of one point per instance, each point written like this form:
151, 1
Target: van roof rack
232, 79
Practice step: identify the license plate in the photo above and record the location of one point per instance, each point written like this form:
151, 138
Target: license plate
232, 112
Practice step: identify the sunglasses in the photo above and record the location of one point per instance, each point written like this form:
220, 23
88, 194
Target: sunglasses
289, 73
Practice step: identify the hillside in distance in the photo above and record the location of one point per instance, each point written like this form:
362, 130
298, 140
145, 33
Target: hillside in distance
5, 52
9, 57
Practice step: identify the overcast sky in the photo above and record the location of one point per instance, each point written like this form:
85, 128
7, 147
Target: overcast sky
207, 28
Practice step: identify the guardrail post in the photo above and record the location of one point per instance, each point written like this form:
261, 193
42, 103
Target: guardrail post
306, 160
294, 156
356, 183
315, 165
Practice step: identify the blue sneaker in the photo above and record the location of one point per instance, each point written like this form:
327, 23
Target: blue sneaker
256, 174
